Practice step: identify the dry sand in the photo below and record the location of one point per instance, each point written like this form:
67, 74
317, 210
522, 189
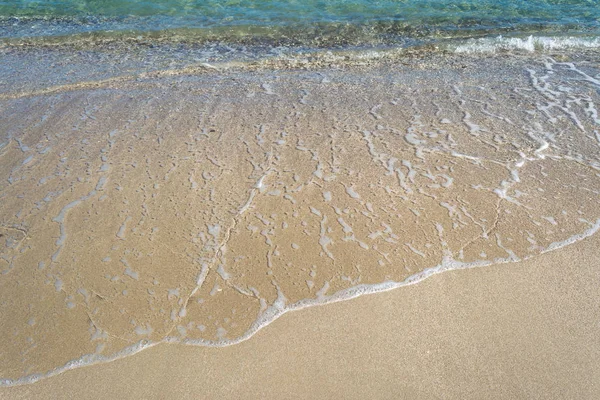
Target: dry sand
517, 331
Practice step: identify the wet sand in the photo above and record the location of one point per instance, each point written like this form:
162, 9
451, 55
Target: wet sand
527, 330
198, 206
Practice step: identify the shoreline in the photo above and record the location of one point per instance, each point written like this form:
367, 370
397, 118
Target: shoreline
424, 168
527, 312
274, 313
107, 65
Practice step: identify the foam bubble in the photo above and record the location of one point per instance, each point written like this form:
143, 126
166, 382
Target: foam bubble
529, 44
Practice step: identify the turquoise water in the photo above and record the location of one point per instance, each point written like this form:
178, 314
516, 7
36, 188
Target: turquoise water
383, 20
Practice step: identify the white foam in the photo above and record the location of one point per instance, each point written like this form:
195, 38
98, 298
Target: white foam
144, 330
529, 44
131, 273
122, 229
352, 193
221, 271
279, 307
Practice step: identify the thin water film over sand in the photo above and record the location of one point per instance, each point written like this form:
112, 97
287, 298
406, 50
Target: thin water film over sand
198, 208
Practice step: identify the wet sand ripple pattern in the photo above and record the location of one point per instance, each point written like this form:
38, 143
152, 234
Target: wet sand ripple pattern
196, 209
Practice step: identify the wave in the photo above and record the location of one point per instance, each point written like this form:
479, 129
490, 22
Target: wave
279, 308
427, 170
319, 33
529, 44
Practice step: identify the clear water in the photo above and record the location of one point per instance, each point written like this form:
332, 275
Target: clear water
146, 198
344, 20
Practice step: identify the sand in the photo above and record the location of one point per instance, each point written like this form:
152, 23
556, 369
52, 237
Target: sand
528, 330
196, 206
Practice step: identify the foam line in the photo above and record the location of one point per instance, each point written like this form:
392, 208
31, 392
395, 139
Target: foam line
279, 308
529, 44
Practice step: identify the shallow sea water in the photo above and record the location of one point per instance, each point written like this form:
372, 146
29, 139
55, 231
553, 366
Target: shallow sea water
155, 190
308, 22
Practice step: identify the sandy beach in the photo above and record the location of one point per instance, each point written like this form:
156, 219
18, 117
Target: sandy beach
519, 331
181, 233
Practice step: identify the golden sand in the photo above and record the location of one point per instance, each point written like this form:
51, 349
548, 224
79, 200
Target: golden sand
198, 208
527, 330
